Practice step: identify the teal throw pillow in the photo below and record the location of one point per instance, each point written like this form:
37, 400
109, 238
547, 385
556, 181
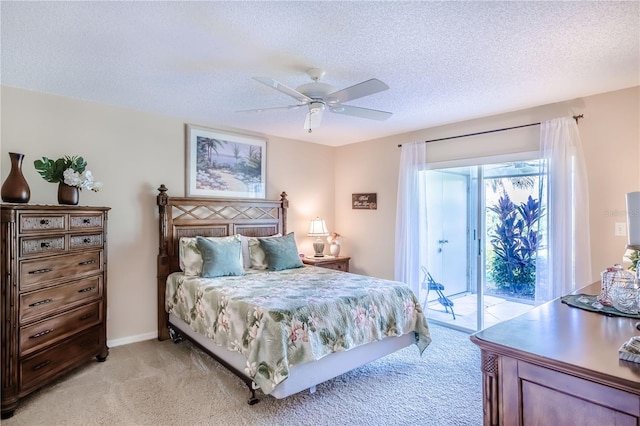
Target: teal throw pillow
281, 252
221, 257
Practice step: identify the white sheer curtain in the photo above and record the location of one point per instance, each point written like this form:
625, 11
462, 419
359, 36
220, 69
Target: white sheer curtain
564, 262
411, 216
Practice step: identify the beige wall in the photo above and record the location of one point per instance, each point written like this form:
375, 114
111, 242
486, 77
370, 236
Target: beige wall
611, 141
132, 153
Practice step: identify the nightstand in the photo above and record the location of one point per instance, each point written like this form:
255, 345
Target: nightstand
339, 263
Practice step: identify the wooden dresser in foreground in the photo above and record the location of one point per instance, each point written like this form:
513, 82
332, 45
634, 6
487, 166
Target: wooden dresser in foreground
559, 365
54, 304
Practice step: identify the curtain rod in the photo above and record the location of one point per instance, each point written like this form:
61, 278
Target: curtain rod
575, 117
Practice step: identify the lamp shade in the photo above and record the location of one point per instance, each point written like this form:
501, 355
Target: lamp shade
318, 228
633, 219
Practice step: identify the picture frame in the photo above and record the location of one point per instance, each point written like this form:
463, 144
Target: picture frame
223, 164
367, 201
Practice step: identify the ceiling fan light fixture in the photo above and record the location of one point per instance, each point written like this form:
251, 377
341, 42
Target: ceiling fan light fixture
316, 107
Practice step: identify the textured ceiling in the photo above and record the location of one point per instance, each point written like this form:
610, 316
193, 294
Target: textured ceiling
443, 61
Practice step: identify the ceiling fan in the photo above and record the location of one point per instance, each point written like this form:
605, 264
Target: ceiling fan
319, 96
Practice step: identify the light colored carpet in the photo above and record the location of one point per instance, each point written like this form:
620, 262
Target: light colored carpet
162, 383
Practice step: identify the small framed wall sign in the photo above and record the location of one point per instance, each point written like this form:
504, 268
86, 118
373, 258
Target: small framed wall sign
364, 201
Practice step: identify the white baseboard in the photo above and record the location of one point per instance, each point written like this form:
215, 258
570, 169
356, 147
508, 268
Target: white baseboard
132, 339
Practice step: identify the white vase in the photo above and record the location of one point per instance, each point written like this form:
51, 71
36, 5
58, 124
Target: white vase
334, 249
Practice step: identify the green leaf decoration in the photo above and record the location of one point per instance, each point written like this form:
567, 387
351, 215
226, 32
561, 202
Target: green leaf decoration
52, 171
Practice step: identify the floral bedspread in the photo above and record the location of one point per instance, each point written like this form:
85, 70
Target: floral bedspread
280, 319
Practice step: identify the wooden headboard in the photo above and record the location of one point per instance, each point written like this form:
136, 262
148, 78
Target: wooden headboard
209, 217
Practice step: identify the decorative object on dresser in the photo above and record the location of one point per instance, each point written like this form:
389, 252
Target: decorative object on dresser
15, 188
71, 175
339, 263
54, 303
557, 365
68, 195
318, 229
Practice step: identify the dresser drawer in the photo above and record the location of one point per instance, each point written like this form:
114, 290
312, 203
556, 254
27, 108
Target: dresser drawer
85, 221
53, 299
35, 273
341, 266
45, 222
49, 331
80, 241
40, 368
42, 245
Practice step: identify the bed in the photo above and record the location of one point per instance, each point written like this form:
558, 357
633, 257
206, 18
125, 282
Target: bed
280, 326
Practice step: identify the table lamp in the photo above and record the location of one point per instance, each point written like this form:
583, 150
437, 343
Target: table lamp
633, 227
633, 220
318, 229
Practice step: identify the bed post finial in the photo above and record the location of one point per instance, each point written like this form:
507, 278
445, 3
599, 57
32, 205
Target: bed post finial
285, 206
163, 201
162, 197
163, 261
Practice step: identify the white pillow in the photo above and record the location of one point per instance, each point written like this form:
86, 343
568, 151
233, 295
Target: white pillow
190, 257
253, 255
244, 241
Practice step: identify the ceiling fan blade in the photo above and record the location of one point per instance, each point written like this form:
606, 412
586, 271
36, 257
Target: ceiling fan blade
270, 108
303, 99
313, 119
372, 114
356, 91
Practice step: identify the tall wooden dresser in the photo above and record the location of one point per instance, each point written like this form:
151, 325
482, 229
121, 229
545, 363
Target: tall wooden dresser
54, 298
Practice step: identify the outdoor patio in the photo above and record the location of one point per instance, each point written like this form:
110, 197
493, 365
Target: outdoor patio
465, 307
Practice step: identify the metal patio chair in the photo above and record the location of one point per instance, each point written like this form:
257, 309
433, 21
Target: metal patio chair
428, 283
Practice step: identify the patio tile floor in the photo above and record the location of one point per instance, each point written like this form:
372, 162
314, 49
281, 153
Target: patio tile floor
465, 307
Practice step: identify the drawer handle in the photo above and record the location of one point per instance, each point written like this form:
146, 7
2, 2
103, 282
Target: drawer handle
44, 221
86, 240
41, 302
40, 271
86, 220
88, 262
42, 333
86, 316
45, 244
84, 290
41, 365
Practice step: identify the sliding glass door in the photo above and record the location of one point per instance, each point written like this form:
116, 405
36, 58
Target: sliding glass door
448, 229
483, 233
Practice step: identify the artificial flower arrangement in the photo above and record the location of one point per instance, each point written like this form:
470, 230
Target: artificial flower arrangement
69, 170
632, 256
334, 238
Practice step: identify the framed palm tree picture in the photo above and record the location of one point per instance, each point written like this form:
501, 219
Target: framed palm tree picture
222, 164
